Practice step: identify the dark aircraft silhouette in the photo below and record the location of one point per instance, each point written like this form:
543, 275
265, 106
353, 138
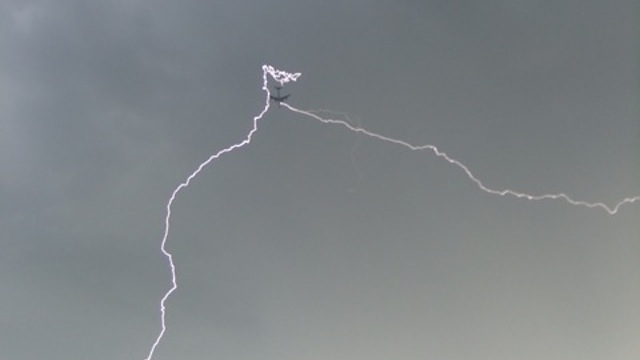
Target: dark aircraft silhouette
279, 98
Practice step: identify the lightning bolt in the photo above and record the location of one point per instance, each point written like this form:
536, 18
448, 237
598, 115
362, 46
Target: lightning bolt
560, 196
281, 77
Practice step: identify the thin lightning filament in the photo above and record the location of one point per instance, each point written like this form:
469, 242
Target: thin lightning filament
283, 77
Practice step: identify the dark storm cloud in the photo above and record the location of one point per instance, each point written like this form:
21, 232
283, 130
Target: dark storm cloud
313, 242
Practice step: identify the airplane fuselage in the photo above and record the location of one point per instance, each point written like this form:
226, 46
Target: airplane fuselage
279, 98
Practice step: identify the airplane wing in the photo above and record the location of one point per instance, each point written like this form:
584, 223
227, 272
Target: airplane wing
279, 98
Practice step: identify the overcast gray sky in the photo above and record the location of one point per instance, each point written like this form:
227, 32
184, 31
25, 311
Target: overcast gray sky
314, 242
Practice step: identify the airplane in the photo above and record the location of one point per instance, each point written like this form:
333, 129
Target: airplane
279, 98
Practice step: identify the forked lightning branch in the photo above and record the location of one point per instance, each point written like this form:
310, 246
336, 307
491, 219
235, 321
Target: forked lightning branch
282, 78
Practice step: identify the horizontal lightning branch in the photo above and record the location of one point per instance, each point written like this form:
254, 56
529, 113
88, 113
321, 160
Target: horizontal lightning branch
611, 210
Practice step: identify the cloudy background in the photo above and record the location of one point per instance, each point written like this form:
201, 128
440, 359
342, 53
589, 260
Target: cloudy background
314, 242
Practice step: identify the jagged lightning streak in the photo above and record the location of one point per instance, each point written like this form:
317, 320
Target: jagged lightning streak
281, 77
611, 210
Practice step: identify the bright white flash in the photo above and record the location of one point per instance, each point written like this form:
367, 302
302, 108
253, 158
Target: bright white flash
283, 77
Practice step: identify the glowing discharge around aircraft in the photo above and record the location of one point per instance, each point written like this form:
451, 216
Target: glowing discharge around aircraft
283, 77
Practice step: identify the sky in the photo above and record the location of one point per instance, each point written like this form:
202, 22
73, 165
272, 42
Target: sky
313, 241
